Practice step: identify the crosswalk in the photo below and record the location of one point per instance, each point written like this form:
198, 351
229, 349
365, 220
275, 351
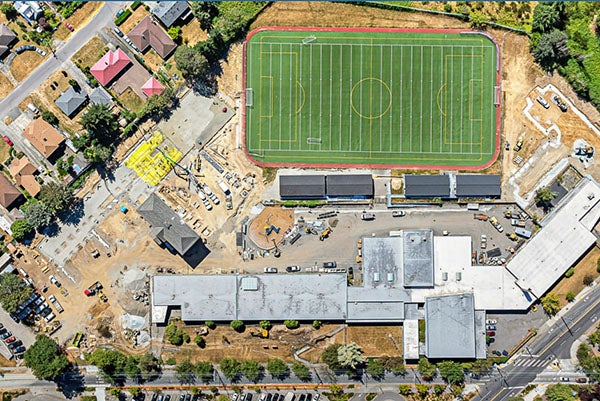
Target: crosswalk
527, 361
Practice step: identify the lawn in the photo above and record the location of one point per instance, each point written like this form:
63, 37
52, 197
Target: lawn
192, 33
5, 86
24, 63
131, 100
90, 53
371, 97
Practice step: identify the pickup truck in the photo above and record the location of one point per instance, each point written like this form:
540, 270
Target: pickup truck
56, 304
517, 223
497, 226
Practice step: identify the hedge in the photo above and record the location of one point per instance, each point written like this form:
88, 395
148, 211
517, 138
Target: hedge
135, 5
123, 17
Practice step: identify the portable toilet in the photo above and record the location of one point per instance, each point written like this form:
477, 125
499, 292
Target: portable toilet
123, 209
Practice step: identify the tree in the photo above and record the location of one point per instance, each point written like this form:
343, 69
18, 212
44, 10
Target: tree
174, 335
545, 17
265, 325
45, 359
131, 368
438, 389
8, 10
405, 389
97, 153
174, 33
451, 371
594, 338
551, 304
588, 279
49, 117
81, 141
560, 392
394, 364
190, 62
204, 371
570, 297
291, 324
200, 341
551, 49
350, 356
426, 368
237, 325
317, 324
13, 292
251, 369
149, 366
210, 324
101, 123
477, 19
422, 389
375, 368
135, 391
184, 371
111, 363
230, 368
157, 106
336, 390
37, 214
301, 370
277, 368
56, 196
204, 11
330, 356
21, 230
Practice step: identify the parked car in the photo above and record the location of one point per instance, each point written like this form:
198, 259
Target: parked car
234, 397
69, 27
490, 321
496, 352
504, 352
270, 270
490, 333
367, 216
491, 327
543, 102
40, 52
581, 380
181, 397
20, 350
54, 281
8, 141
118, 32
351, 272
564, 379
398, 213
5, 335
10, 339
41, 307
291, 269
329, 265
15, 344
49, 318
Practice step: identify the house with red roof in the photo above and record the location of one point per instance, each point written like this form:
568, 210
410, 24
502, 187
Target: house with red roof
112, 64
152, 87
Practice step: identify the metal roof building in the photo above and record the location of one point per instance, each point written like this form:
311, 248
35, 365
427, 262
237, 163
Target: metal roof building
302, 186
426, 186
478, 186
417, 257
350, 186
450, 329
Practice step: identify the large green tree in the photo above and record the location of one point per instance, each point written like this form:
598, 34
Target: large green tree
251, 369
101, 123
560, 392
426, 368
375, 368
351, 356
8, 10
545, 17
45, 358
330, 356
451, 371
149, 366
204, 371
38, 214
190, 62
157, 106
551, 304
56, 196
13, 292
97, 153
21, 230
230, 368
301, 370
184, 371
552, 49
111, 363
277, 368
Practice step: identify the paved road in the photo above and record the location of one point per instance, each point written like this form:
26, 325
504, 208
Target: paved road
62, 54
551, 344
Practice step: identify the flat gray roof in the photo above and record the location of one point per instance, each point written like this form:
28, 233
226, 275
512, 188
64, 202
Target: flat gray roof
450, 326
381, 257
426, 186
301, 186
478, 185
348, 185
417, 255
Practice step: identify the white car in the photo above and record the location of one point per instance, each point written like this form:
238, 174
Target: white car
270, 270
398, 213
54, 281
490, 321
49, 318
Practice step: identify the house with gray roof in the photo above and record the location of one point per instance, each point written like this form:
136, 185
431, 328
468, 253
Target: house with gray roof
168, 12
71, 101
7, 39
100, 96
167, 228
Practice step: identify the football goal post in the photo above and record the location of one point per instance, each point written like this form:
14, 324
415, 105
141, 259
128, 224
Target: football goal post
308, 40
313, 141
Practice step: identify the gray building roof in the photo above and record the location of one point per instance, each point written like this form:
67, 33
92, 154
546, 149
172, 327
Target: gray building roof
417, 257
450, 326
100, 96
251, 297
166, 225
349, 185
70, 101
301, 186
170, 11
426, 186
478, 185
382, 257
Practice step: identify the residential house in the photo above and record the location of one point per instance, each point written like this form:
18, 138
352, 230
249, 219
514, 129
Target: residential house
24, 174
10, 196
101, 96
148, 34
168, 12
45, 138
30, 10
71, 101
7, 38
112, 64
152, 87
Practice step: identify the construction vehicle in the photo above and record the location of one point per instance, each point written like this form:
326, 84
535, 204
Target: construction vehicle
517, 223
508, 214
325, 234
479, 216
519, 144
513, 237
93, 289
102, 297
77, 339
262, 333
359, 244
587, 151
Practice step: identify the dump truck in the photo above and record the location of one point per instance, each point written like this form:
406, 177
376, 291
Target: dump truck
479, 216
56, 304
93, 289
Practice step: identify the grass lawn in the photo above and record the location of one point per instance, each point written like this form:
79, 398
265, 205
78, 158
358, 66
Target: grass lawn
371, 98
192, 33
5, 86
90, 53
4, 151
131, 100
139, 14
84, 14
24, 63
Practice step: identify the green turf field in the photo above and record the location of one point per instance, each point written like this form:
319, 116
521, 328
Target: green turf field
370, 98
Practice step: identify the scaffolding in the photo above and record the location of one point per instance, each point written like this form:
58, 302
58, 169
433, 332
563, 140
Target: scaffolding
152, 163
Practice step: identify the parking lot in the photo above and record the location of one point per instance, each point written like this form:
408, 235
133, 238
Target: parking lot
243, 396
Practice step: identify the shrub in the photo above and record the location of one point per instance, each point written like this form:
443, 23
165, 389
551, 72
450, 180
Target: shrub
200, 341
210, 324
135, 5
265, 325
588, 279
291, 324
237, 325
171, 361
570, 296
570, 272
317, 324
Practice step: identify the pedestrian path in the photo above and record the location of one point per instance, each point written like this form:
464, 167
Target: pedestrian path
527, 361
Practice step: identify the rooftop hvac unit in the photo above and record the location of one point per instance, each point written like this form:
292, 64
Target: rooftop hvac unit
445, 276
458, 276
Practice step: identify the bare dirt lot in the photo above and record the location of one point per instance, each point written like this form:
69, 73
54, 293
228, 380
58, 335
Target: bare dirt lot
90, 53
281, 219
5, 86
586, 266
377, 340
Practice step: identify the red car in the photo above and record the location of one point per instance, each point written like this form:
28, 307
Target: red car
7, 140
491, 333
69, 27
10, 340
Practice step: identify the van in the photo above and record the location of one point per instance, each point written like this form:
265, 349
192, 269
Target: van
32, 108
23, 272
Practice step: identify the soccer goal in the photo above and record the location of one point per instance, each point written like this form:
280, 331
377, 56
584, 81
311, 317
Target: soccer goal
308, 40
313, 141
249, 97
